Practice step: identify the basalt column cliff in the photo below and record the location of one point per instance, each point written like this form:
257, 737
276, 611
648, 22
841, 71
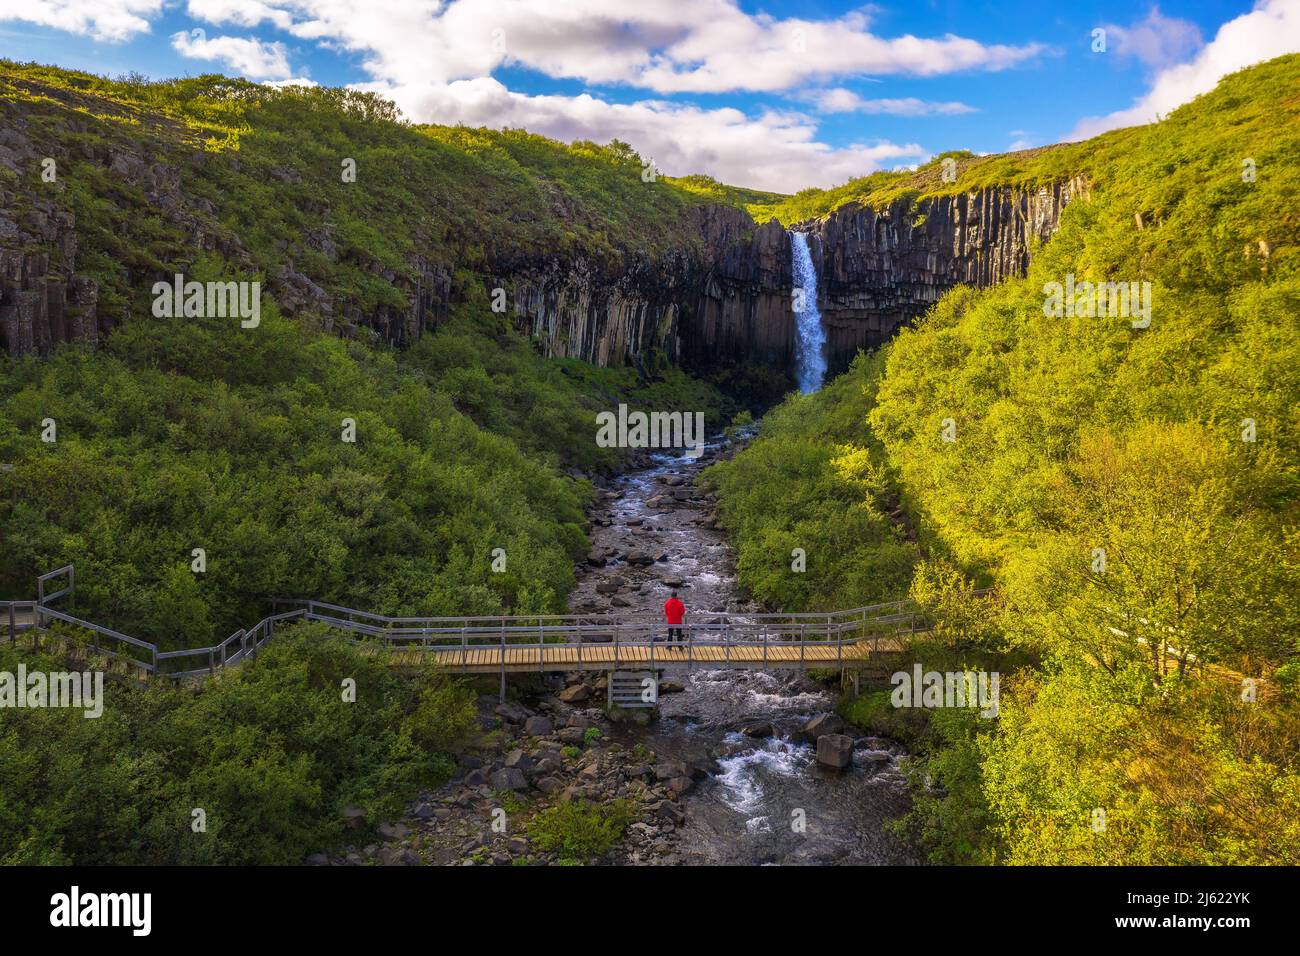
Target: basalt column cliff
716, 290
730, 299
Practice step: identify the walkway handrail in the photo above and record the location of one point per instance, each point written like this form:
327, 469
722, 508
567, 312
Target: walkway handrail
443, 634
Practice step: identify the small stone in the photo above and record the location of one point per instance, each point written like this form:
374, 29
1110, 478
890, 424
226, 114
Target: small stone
354, 818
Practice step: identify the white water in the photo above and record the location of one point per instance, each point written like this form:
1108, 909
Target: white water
810, 349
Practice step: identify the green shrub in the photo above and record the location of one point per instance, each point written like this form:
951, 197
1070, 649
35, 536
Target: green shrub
581, 830
269, 751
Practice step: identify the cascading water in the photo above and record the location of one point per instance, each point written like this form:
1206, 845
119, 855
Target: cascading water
810, 348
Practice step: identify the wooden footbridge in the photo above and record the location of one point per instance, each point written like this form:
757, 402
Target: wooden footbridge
509, 644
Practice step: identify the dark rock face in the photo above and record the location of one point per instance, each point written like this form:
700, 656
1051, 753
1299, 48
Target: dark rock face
722, 293
880, 270
729, 297
42, 301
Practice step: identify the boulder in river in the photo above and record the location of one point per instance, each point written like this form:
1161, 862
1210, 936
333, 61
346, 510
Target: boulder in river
757, 728
823, 724
835, 751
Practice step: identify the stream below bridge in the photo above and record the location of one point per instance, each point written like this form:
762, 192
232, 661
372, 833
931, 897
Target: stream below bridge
653, 528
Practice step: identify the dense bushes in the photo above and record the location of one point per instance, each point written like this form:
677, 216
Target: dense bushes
190, 433
184, 435
270, 752
1132, 492
815, 480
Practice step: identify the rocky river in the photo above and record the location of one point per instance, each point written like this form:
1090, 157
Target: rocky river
726, 773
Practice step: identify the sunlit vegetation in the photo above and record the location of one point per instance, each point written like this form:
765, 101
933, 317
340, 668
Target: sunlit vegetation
1131, 492
270, 754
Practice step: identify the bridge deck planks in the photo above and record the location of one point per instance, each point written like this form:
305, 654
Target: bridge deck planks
520, 658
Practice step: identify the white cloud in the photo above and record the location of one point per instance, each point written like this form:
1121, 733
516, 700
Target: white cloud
248, 57
292, 81
114, 20
705, 46
1269, 30
244, 13
840, 100
775, 151
436, 59
1157, 41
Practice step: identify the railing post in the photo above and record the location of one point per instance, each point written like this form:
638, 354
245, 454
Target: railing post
503, 662
802, 666
541, 647
13, 626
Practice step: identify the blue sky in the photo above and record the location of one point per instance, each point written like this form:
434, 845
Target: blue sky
777, 95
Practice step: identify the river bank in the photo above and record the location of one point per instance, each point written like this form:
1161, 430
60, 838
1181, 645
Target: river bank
726, 772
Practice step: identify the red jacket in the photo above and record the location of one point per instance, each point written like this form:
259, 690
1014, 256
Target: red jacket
673, 610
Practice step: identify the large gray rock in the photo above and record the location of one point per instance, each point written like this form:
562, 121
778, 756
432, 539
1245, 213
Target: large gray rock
670, 769
835, 751
538, 726
519, 760
823, 724
575, 694
509, 778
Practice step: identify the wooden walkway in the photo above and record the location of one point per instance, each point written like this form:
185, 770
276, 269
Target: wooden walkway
662, 655
507, 644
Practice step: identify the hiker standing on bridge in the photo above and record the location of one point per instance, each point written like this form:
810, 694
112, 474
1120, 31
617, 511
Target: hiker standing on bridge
674, 611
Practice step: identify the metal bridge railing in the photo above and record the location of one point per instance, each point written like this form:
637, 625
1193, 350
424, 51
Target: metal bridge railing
442, 635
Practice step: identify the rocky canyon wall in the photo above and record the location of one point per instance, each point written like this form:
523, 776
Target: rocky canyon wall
722, 294
877, 270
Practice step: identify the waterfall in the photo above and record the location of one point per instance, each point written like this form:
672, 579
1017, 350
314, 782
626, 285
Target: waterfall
810, 346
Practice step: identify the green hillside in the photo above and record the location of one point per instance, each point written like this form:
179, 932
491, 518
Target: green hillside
265, 167
176, 434
1005, 446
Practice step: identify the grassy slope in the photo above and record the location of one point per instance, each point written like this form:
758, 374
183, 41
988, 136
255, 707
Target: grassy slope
182, 434
270, 163
1075, 434
185, 433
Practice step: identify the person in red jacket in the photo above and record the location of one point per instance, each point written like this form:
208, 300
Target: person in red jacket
674, 611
